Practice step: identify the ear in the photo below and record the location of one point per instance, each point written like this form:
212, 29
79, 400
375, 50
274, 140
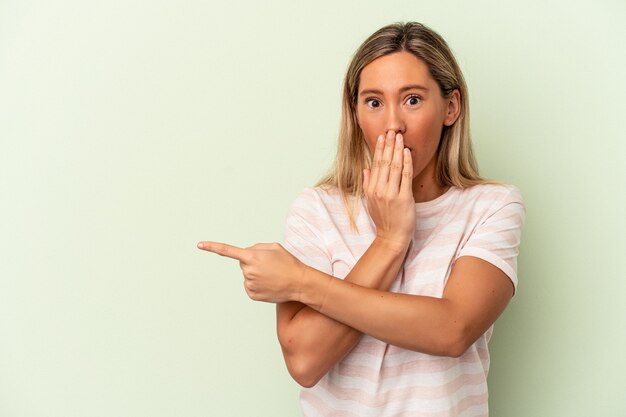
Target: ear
453, 108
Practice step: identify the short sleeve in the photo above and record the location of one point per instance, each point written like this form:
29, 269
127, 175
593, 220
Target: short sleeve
497, 237
304, 231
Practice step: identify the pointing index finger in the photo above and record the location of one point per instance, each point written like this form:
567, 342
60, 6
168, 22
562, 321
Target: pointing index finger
224, 249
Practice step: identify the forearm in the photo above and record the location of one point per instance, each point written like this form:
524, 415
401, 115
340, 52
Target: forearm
474, 296
312, 342
424, 324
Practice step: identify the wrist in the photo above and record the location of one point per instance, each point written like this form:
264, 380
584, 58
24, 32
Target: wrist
395, 246
312, 288
298, 289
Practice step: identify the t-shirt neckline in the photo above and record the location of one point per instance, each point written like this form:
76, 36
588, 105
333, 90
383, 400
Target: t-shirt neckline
437, 201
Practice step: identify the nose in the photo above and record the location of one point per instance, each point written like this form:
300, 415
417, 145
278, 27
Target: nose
395, 120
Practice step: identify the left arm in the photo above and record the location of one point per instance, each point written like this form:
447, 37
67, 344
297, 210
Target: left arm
475, 295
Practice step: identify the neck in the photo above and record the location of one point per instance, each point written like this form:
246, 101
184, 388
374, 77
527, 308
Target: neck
425, 187
427, 190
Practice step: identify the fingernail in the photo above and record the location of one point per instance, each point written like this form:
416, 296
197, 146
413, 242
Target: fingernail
200, 245
380, 138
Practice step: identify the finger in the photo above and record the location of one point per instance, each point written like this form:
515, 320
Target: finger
383, 173
395, 171
264, 246
366, 178
224, 249
406, 184
378, 153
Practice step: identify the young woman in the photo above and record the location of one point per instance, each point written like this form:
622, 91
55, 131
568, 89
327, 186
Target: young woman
397, 264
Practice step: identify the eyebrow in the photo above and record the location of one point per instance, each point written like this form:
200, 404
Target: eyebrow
402, 90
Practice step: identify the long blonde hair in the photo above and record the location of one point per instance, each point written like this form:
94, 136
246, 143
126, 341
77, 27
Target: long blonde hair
456, 165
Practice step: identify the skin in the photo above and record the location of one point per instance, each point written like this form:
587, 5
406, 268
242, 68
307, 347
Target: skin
398, 94
321, 318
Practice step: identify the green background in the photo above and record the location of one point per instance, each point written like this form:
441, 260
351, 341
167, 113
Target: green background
130, 130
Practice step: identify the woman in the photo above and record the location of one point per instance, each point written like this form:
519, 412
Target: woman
396, 265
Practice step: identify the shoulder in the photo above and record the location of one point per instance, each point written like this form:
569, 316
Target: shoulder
317, 198
316, 204
497, 194
496, 203
326, 209
481, 202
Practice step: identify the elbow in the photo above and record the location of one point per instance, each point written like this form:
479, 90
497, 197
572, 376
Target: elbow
455, 342
304, 375
302, 369
456, 349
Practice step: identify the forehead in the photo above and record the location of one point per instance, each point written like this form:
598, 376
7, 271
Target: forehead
391, 72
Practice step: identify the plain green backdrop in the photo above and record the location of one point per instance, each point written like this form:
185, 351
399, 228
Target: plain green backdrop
131, 130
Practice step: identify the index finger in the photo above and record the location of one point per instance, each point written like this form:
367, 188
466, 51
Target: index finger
406, 183
224, 249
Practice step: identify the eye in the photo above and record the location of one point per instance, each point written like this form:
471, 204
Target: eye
413, 100
373, 103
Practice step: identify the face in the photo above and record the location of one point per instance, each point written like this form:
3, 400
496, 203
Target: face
397, 93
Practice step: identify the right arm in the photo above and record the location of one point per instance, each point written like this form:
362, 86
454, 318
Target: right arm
311, 342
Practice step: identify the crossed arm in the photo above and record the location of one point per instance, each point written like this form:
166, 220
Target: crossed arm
320, 318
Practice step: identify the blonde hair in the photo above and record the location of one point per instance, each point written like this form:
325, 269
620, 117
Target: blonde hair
456, 165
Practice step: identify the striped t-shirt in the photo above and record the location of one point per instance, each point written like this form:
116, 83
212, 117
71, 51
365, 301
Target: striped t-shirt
382, 380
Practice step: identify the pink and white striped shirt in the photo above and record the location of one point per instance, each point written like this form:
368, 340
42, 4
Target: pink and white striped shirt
382, 380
